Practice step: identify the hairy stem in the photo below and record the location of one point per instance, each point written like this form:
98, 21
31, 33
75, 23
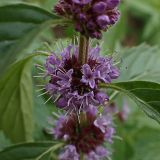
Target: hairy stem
83, 49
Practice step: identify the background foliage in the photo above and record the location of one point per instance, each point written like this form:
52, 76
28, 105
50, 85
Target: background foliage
23, 115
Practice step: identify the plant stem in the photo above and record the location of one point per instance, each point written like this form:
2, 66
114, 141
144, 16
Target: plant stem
53, 148
81, 156
83, 49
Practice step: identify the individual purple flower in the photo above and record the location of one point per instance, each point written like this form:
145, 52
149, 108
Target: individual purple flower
92, 156
102, 97
92, 110
61, 102
102, 123
58, 126
110, 131
106, 71
64, 78
69, 153
114, 73
101, 152
90, 17
88, 76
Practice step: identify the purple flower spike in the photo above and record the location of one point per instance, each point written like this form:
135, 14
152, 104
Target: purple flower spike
88, 140
69, 153
73, 86
99, 7
90, 17
88, 76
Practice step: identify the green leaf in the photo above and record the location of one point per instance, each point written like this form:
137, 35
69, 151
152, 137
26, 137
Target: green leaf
20, 24
29, 151
147, 144
148, 10
145, 94
4, 141
140, 63
16, 102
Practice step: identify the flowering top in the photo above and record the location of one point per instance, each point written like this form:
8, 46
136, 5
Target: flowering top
91, 17
86, 137
75, 86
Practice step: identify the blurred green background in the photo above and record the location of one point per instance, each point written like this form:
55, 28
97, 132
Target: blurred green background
137, 38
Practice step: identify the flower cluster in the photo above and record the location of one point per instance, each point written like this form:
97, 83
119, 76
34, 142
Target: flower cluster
75, 86
91, 17
86, 137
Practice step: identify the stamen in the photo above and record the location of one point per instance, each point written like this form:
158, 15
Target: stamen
38, 76
58, 47
108, 158
40, 69
48, 46
40, 85
68, 112
40, 89
43, 52
55, 114
43, 93
39, 65
80, 107
62, 44
48, 99
40, 73
57, 98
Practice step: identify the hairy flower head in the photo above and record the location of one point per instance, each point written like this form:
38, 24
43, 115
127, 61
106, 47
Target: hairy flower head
74, 86
86, 137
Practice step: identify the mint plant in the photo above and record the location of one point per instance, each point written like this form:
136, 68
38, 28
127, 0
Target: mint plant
80, 83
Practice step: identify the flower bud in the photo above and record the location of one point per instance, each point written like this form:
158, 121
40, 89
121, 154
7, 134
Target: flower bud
82, 17
91, 25
103, 21
99, 7
61, 103
112, 4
